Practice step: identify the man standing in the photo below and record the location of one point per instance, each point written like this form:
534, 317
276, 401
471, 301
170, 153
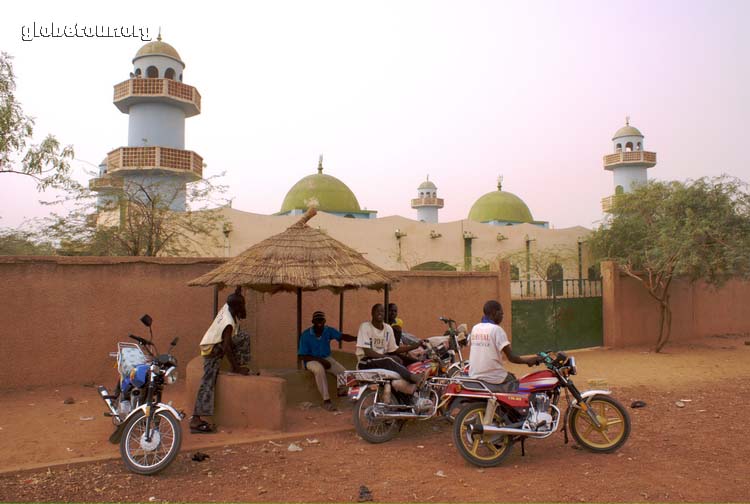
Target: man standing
315, 351
488, 344
376, 349
221, 339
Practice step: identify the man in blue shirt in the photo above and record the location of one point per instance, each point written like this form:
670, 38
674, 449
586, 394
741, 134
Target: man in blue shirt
315, 351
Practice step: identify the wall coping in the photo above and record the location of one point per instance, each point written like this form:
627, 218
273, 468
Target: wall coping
75, 260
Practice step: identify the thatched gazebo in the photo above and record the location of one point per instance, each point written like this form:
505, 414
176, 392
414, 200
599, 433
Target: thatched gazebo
299, 259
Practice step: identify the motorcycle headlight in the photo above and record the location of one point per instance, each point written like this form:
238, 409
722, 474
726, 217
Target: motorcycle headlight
170, 377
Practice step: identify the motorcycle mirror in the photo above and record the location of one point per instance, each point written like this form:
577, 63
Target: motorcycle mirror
174, 341
147, 320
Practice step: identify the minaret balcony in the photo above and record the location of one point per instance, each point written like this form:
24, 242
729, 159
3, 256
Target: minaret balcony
160, 159
105, 183
427, 202
632, 158
138, 90
608, 203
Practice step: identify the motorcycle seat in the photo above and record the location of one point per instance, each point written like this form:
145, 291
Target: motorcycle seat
374, 374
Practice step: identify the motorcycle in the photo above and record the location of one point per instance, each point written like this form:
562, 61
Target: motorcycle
490, 422
148, 430
381, 411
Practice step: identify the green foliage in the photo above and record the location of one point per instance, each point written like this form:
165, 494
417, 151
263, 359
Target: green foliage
22, 242
697, 229
47, 162
138, 221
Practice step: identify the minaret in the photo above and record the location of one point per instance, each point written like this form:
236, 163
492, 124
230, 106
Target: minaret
629, 161
427, 203
157, 103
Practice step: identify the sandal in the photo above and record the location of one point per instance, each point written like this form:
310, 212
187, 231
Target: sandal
203, 428
328, 406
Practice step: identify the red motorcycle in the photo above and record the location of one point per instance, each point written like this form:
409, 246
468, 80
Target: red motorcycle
380, 411
488, 423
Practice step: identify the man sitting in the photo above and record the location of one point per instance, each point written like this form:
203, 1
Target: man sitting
315, 351
377, 349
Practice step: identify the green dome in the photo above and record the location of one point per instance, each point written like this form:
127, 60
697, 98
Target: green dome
332, 195
500, 206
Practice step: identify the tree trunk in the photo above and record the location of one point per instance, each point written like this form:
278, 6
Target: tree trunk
665, 326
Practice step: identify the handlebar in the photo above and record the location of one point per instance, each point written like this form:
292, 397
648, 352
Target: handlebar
446, 320
140, 340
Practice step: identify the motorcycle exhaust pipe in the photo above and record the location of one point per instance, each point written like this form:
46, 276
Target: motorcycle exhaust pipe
108, 400
491, 429
399, 416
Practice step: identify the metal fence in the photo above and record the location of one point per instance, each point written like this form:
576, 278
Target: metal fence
546, 289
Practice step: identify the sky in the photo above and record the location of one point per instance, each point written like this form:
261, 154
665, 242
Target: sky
392, 91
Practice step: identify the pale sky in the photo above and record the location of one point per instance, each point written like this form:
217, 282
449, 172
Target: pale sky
391, 91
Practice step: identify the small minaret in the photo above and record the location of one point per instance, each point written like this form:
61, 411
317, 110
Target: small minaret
157, 103
427, 203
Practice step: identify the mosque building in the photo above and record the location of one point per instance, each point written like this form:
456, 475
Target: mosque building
499, 225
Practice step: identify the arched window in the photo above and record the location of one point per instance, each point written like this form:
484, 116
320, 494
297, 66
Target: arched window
434, 266
595, 272
169, 74
629, 147
515, 274
638, 146
619, 189
618, 148
349, 216
152, 72
137, 72
180, 77
554, 280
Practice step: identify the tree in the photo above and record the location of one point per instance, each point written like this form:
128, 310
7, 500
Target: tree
138, 220
697, 229
48, 162
23, 242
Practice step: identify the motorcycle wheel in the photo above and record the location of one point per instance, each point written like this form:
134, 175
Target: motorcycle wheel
142, 457
370, 429
615, 427
483, 450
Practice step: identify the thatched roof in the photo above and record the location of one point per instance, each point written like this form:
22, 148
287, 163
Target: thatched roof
300, 257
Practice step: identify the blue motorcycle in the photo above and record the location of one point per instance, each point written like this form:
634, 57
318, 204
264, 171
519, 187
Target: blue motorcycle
148, 430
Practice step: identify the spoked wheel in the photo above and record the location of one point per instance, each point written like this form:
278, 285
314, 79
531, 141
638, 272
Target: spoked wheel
373, 430
149, 456
481, 449
614, 420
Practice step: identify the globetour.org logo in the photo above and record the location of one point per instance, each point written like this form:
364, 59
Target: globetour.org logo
78, 30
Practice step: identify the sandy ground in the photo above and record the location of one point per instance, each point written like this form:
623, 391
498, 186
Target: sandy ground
694, 453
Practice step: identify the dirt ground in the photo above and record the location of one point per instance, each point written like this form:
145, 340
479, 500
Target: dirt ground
694, 453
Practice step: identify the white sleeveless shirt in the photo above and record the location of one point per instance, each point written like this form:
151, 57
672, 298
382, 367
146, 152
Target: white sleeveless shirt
213, 336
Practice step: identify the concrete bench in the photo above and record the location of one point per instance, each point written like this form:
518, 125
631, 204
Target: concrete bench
242, 401
238, 397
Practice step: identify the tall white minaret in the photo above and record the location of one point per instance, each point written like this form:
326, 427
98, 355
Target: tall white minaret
157, 103
427, 203
629, 161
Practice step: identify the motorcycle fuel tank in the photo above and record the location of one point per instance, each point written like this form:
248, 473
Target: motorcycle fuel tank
538, 381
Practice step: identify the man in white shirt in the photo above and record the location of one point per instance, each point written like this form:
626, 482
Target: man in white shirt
376, 349
488, 344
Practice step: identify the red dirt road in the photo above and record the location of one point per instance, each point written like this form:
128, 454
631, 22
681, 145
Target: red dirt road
691, 454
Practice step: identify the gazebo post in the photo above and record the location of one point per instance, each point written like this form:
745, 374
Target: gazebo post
299, 321
386, 301
341, 315
216, 300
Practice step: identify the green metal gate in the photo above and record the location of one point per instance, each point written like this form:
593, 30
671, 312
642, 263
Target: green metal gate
556, 315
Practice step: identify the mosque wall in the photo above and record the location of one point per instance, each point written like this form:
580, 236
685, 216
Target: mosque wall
156, 124
61, 316
631, 315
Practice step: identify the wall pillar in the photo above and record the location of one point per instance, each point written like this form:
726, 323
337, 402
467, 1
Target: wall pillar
503, 295
610, 299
